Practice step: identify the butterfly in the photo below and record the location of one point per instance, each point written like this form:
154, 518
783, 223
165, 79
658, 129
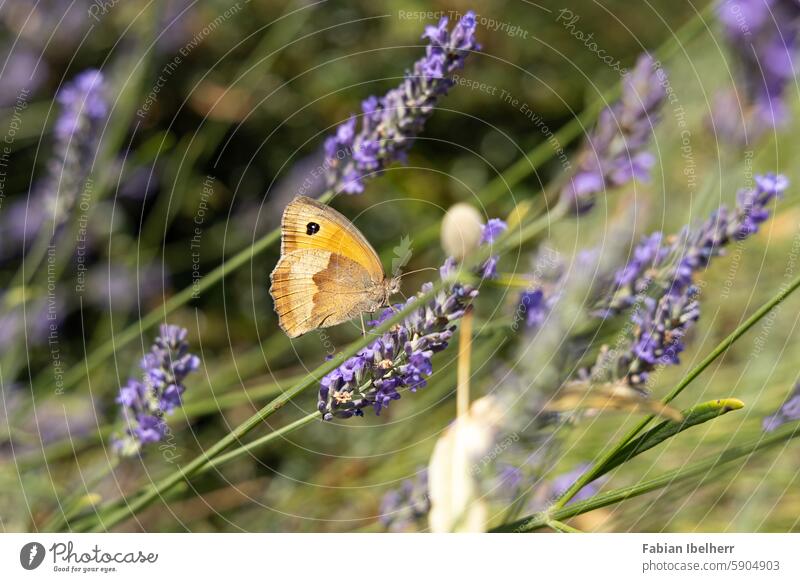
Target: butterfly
328, 272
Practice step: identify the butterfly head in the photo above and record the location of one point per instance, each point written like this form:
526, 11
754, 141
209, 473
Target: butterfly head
391, 287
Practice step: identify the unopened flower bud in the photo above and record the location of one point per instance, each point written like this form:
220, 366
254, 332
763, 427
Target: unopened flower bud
461, 231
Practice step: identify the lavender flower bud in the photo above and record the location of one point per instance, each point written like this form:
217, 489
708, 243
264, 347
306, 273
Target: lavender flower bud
461, 231
657, 339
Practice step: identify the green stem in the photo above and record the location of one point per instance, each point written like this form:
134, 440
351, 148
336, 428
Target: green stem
700, 468
666, 430
259, 442
594, 471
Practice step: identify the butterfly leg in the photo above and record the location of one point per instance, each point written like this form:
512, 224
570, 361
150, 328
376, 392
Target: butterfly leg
363, 327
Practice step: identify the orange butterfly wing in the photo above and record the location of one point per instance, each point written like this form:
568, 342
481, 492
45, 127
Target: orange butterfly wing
309, 224
328, 272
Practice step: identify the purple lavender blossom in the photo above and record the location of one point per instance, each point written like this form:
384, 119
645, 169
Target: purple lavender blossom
491, 231
658, 337
660, 262
614, 154
489, 268
535, 305
549, 277
788, 412
390, 123
406, 508
83, 104
493, 228
400, 359
764, 37
145, 402
84, 109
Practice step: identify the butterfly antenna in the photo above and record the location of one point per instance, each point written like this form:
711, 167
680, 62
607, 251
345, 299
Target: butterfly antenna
417, 271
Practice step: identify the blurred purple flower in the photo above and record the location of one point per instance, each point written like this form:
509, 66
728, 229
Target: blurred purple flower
145, 403
672, 263
406, 508
493, 228
764, 37
84, 108
24, 73
614, 153
550, 275
390, 123
489, 268
83, 105
121, 288
788, 412
535, 306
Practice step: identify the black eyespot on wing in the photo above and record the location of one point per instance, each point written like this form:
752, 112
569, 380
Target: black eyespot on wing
312, 228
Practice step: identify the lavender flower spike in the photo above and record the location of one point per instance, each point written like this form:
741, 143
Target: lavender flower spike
399, 359
390, 123
658, 336
84, 108
764, 36
615, 152
788, 412
145, 403
673, 263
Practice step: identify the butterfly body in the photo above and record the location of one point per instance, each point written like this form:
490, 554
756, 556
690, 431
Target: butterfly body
328, 272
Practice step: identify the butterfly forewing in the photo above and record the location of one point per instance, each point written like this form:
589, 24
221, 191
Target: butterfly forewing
308, 224
327, 274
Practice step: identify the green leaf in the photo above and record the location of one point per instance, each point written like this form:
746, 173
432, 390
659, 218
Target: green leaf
700, 469
668, 429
